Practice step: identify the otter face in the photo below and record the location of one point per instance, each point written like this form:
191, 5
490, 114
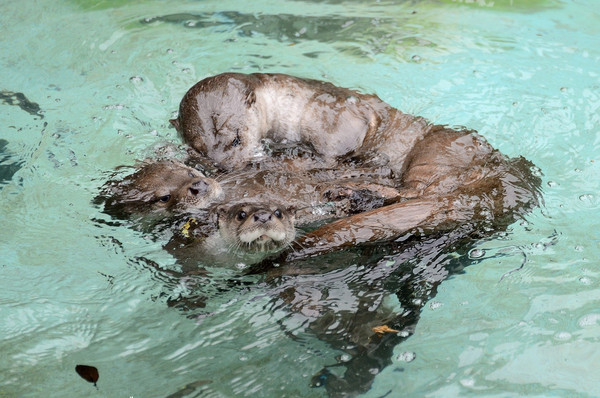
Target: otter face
257, 228
163, 187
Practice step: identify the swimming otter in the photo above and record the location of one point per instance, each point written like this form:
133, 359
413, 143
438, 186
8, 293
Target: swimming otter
242, 232
165, 187
226, 117
442, 174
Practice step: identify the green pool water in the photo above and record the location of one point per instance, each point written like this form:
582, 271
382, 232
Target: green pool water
87, 86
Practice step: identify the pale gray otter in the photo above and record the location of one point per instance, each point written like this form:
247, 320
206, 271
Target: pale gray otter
159, 188
244, 232
227, 117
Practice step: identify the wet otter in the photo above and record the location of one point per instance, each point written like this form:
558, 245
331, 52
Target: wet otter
242, 232
226, 117
443, 175
161, 188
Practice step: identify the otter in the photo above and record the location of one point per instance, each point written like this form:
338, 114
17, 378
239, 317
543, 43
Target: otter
446, 178
244, 232
161, 188
227, 118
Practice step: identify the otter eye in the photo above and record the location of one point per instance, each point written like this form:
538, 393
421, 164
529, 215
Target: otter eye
278, 213
241, 215
164, 199
237, 140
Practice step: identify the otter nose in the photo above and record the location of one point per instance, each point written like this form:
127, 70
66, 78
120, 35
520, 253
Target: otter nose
199, 188
262, 216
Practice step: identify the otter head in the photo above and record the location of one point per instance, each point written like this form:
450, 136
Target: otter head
256, 228
164, 187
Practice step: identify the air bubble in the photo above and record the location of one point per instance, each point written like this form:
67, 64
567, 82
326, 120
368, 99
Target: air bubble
552, 184
589, 320
467, 382
108, 107
416, 58
562, 336
241, 266
586, 280
587, 197
136, 79
536, 171
406, 356
434, 305
345, 358
476, 253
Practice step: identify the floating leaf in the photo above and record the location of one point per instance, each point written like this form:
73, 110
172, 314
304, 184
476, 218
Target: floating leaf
384, 329
185, 230
89, 373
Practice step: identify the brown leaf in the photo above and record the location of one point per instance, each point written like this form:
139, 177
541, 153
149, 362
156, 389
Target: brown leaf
384, 329
89, 373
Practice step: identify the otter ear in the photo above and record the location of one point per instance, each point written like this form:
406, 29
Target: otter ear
175, 123
292, 210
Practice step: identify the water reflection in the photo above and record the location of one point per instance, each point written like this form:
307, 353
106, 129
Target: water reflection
9, 164
343, 299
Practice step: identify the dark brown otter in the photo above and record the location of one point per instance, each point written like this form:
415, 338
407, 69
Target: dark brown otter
452, 181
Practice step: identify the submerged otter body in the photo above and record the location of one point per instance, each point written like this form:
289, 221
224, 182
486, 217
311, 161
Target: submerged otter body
226, 117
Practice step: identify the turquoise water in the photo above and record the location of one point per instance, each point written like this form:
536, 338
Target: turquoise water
99, 80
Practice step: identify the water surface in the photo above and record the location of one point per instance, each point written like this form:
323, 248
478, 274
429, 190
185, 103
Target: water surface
89, 85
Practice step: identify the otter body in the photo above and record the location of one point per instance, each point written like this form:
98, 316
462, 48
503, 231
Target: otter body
226, 117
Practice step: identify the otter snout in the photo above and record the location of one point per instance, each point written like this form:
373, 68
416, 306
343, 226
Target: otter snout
262, 216
198, 188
